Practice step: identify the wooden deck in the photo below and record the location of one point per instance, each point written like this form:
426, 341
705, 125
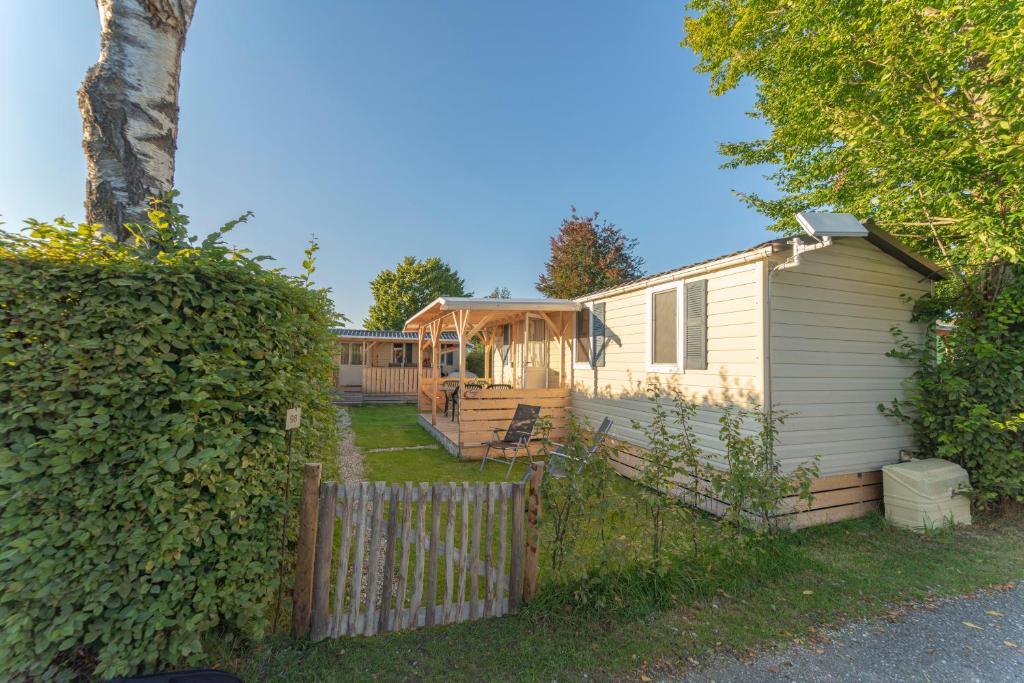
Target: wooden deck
445, 431
483, 411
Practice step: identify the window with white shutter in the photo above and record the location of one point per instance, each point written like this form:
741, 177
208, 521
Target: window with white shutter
695, 321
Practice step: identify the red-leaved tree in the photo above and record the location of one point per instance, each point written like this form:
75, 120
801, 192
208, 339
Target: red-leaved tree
588, 255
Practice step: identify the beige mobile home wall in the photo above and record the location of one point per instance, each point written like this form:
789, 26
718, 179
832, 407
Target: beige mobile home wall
830, 321
735, 372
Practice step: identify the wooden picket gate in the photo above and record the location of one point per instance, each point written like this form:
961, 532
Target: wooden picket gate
389, 557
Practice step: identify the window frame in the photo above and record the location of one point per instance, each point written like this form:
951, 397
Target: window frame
680, 290
588, 364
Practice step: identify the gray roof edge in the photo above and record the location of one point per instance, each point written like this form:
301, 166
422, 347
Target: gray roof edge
384, 335
775, 244
892, 246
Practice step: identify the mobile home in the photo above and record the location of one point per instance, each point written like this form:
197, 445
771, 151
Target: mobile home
802, 324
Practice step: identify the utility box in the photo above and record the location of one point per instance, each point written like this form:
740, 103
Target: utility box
925, 494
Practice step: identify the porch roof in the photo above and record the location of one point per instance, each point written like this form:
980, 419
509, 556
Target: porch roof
476, 309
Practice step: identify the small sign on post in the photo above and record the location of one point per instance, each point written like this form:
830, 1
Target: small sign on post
292, 420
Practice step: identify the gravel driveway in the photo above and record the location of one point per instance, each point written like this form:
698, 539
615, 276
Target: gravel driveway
976, 638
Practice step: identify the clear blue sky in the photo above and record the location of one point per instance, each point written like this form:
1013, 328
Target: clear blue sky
459, 129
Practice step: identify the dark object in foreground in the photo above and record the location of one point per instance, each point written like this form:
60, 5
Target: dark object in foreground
193, 676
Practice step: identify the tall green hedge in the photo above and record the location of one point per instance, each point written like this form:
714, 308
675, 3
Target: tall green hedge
142, 398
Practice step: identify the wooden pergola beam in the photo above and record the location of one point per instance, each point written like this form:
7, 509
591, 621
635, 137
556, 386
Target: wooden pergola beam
483, 321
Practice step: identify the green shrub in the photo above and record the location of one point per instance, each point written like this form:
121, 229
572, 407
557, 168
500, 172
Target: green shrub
672, 455
966, 403
753, 483
579, 501
142, 463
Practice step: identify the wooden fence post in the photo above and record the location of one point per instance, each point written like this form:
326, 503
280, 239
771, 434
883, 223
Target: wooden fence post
532, 530
323, 554
515, 574
302, 592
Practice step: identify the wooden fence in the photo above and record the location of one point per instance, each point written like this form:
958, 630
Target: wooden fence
387, 557
390, 381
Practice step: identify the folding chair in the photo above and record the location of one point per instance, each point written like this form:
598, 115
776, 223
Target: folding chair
558, 459
516, 437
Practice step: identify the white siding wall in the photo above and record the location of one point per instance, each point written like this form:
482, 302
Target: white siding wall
735, 358
830, 324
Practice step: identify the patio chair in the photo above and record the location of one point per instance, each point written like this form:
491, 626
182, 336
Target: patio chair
454, 394
558, 460
500, 386
517, 437
446, 387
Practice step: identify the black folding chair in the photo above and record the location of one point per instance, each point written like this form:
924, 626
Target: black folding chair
558, 460
517, 437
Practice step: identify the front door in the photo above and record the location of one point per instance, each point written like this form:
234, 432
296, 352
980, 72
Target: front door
350, 365
537, 354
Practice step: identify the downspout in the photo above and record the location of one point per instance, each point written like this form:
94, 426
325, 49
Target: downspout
793, 261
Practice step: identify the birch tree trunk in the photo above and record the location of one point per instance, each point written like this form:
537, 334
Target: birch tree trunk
129, 105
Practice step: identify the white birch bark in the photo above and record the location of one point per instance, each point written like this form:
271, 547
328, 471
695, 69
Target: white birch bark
129, 105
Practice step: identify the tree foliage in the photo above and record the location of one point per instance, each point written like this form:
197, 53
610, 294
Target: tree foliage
906, 111
966, 403
588, 255
142, 459
399, 293
500, 293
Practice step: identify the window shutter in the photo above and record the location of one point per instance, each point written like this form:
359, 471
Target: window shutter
599, 335
696, 326
583, 335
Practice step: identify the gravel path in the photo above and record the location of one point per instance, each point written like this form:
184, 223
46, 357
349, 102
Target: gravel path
974, 638
350, 458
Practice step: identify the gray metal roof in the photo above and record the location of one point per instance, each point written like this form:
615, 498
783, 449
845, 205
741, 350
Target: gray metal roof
386, 335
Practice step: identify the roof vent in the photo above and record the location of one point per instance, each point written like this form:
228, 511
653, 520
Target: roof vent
820, 224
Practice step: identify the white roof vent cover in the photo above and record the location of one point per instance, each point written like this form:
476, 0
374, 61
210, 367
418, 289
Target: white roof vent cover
823, 224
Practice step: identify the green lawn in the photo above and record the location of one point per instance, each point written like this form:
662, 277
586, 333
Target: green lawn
831, 573
432, 465
388, 427
396, 427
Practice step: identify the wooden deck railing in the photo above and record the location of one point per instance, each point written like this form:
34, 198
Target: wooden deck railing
482, 411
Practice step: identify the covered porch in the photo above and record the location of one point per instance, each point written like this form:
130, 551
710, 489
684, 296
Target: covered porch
527, 353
